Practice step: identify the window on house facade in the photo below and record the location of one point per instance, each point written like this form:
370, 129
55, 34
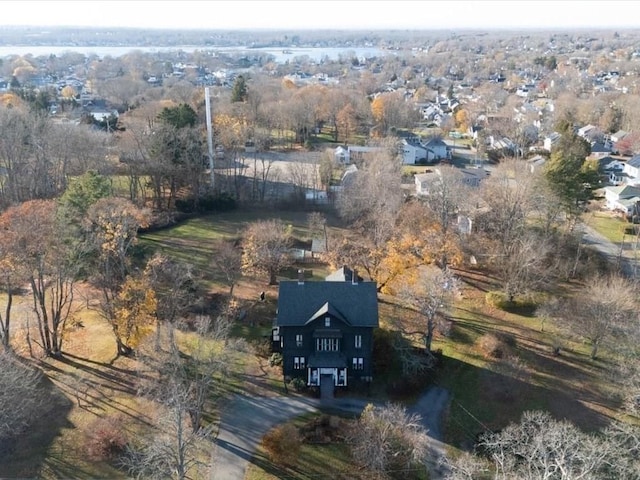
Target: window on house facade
327, 321
327, 344
298, 363
358, 363
299, 340
358, 341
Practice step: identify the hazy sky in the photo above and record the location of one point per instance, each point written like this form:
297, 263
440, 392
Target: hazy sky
325, 14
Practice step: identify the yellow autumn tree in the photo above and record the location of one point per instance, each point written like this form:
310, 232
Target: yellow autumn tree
377, 109
462, 120
11, 100
68, 92
111, 226
402, 256
135, 311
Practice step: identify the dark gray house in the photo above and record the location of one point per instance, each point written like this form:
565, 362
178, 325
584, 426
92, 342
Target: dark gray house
324, 329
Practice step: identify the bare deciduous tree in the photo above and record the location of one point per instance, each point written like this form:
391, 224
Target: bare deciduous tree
447, 198
186, 390
266, 248
371, 201
542, 447
228, 260
431, 293
604, 310
389, 438
49, 265
173, 284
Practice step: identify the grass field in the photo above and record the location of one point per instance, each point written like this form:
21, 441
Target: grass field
608, 225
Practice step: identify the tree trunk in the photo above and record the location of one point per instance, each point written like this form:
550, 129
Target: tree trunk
594, 350
272, 278
6, 323
123, 350
429, 336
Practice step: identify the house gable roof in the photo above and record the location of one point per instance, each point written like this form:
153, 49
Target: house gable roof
435, 142
624, 191
327, 309
355, 304
635, 161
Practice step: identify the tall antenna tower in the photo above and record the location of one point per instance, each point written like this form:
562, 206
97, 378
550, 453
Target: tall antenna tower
207, 103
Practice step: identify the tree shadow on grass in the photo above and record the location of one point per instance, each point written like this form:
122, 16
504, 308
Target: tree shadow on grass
31, 450
90, 385
484, 399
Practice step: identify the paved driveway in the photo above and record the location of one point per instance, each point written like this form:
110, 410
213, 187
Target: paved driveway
243, 424
246, 420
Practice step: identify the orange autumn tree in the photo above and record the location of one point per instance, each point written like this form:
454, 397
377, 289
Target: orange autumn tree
33, 251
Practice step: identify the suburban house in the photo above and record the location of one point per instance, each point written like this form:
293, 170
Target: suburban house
551, 140
600, 149
342, 155
349, 153
437, 149
588, 132
324, 329
613, 171
619, 135
414, 151
622, 198
632, 169
473, 176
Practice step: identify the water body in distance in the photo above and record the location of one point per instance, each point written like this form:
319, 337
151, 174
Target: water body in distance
315, 54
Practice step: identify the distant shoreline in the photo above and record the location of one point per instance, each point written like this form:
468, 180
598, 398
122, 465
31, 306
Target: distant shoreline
280, 55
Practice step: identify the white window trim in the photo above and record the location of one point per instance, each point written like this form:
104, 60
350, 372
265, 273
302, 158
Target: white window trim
299, 363
358, 341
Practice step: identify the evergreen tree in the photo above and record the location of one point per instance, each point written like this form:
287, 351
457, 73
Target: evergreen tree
239, 92
179, 117
570, 175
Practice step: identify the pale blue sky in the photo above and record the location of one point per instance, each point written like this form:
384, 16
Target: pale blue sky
326, 14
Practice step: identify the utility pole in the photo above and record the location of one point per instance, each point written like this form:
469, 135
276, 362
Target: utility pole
207, 103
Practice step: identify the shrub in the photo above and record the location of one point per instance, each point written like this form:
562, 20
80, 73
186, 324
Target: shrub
282, 444
494, 345
262, 347
523, 304
275, 360
324, 429
298, 384
496, 299
106, 438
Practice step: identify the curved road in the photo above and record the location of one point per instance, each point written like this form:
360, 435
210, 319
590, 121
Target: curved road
609, 250
247, 419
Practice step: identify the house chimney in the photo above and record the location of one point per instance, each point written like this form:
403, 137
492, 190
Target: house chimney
300, 277
354, 277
